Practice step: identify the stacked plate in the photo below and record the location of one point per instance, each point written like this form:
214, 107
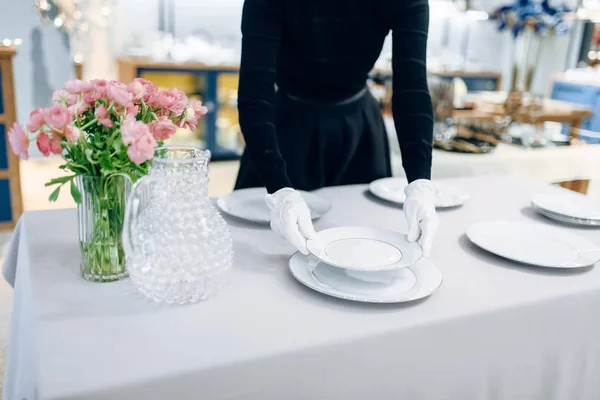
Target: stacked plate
366, 264
534, 244
392, 190
249, 205
568, 207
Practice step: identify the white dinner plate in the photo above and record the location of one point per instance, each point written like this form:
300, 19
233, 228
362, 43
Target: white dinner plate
392, 190
534, 244
568, 204
567, 220
407, 284
364, 249
249, 204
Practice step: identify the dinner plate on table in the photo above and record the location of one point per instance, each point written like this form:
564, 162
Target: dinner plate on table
249, 205
364, 249
407, 284
567, 220
392, 190
534, 244
568, 205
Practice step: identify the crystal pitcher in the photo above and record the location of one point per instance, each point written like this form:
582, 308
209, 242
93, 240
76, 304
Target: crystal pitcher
178, 247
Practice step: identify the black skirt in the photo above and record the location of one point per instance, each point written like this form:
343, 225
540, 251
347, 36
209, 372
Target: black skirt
325, 144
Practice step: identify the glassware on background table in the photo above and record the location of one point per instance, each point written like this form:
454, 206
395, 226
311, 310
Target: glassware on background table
101, 213
534, 135
178, 246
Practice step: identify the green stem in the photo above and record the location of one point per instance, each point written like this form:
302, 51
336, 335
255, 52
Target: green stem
80, 166
83, 128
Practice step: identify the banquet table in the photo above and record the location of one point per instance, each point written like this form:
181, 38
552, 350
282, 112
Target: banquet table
494, 330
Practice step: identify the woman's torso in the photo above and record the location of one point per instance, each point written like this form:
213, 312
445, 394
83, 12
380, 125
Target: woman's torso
328, 47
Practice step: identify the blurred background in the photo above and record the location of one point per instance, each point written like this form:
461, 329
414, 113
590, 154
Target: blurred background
502, 72
514, 81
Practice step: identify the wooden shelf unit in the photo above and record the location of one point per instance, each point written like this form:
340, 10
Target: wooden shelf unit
11, 204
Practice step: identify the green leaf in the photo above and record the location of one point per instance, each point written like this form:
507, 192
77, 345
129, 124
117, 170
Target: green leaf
60, 179
118, 145
75, 193
54, 195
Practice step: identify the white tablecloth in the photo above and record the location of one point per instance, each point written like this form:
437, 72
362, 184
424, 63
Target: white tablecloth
495, 330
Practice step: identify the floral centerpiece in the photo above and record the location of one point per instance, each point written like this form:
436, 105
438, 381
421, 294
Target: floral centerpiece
529, 21
106, 132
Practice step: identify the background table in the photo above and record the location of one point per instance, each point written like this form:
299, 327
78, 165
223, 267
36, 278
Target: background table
554, 111
551, 165
495, 330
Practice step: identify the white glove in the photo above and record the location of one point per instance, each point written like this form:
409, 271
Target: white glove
290, 217
419, 209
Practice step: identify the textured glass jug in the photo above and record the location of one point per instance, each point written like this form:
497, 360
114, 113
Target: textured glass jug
178, 247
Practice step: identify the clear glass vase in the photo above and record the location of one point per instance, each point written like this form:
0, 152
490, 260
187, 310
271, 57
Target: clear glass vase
101, 214
178, 246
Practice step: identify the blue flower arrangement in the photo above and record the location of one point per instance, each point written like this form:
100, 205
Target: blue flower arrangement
538, 15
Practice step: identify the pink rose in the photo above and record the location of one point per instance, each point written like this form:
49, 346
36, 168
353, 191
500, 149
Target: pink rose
133, 130
137, 89
64, 97
77, 86
162, 129
96, 89
56, 145
19, 142
174, 101
119, 95
74, 86
162, 99
180, 103
37, 119
148, 91
43, 143
192, 116
78, 108
133, 110
102, 117
58, 116
72, 133
142, 149
59, 95
90, 97
99, 85
197, 106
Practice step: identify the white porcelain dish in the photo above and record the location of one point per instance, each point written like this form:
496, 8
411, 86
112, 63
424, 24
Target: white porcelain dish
567, 220
364, 249
534, 244
249, 205
392, 190
568, 204
407, 284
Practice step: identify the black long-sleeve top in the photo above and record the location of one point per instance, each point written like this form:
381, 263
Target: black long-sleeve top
325, 49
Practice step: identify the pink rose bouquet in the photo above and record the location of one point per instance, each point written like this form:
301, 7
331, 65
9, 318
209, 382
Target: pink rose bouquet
103, 128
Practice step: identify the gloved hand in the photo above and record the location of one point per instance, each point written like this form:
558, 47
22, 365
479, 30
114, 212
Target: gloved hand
290, 217
419, 209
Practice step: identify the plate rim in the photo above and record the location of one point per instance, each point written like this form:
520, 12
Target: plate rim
535, 202
390, 267
590, 223
377, 193
316, 288
222, 204
574, 265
